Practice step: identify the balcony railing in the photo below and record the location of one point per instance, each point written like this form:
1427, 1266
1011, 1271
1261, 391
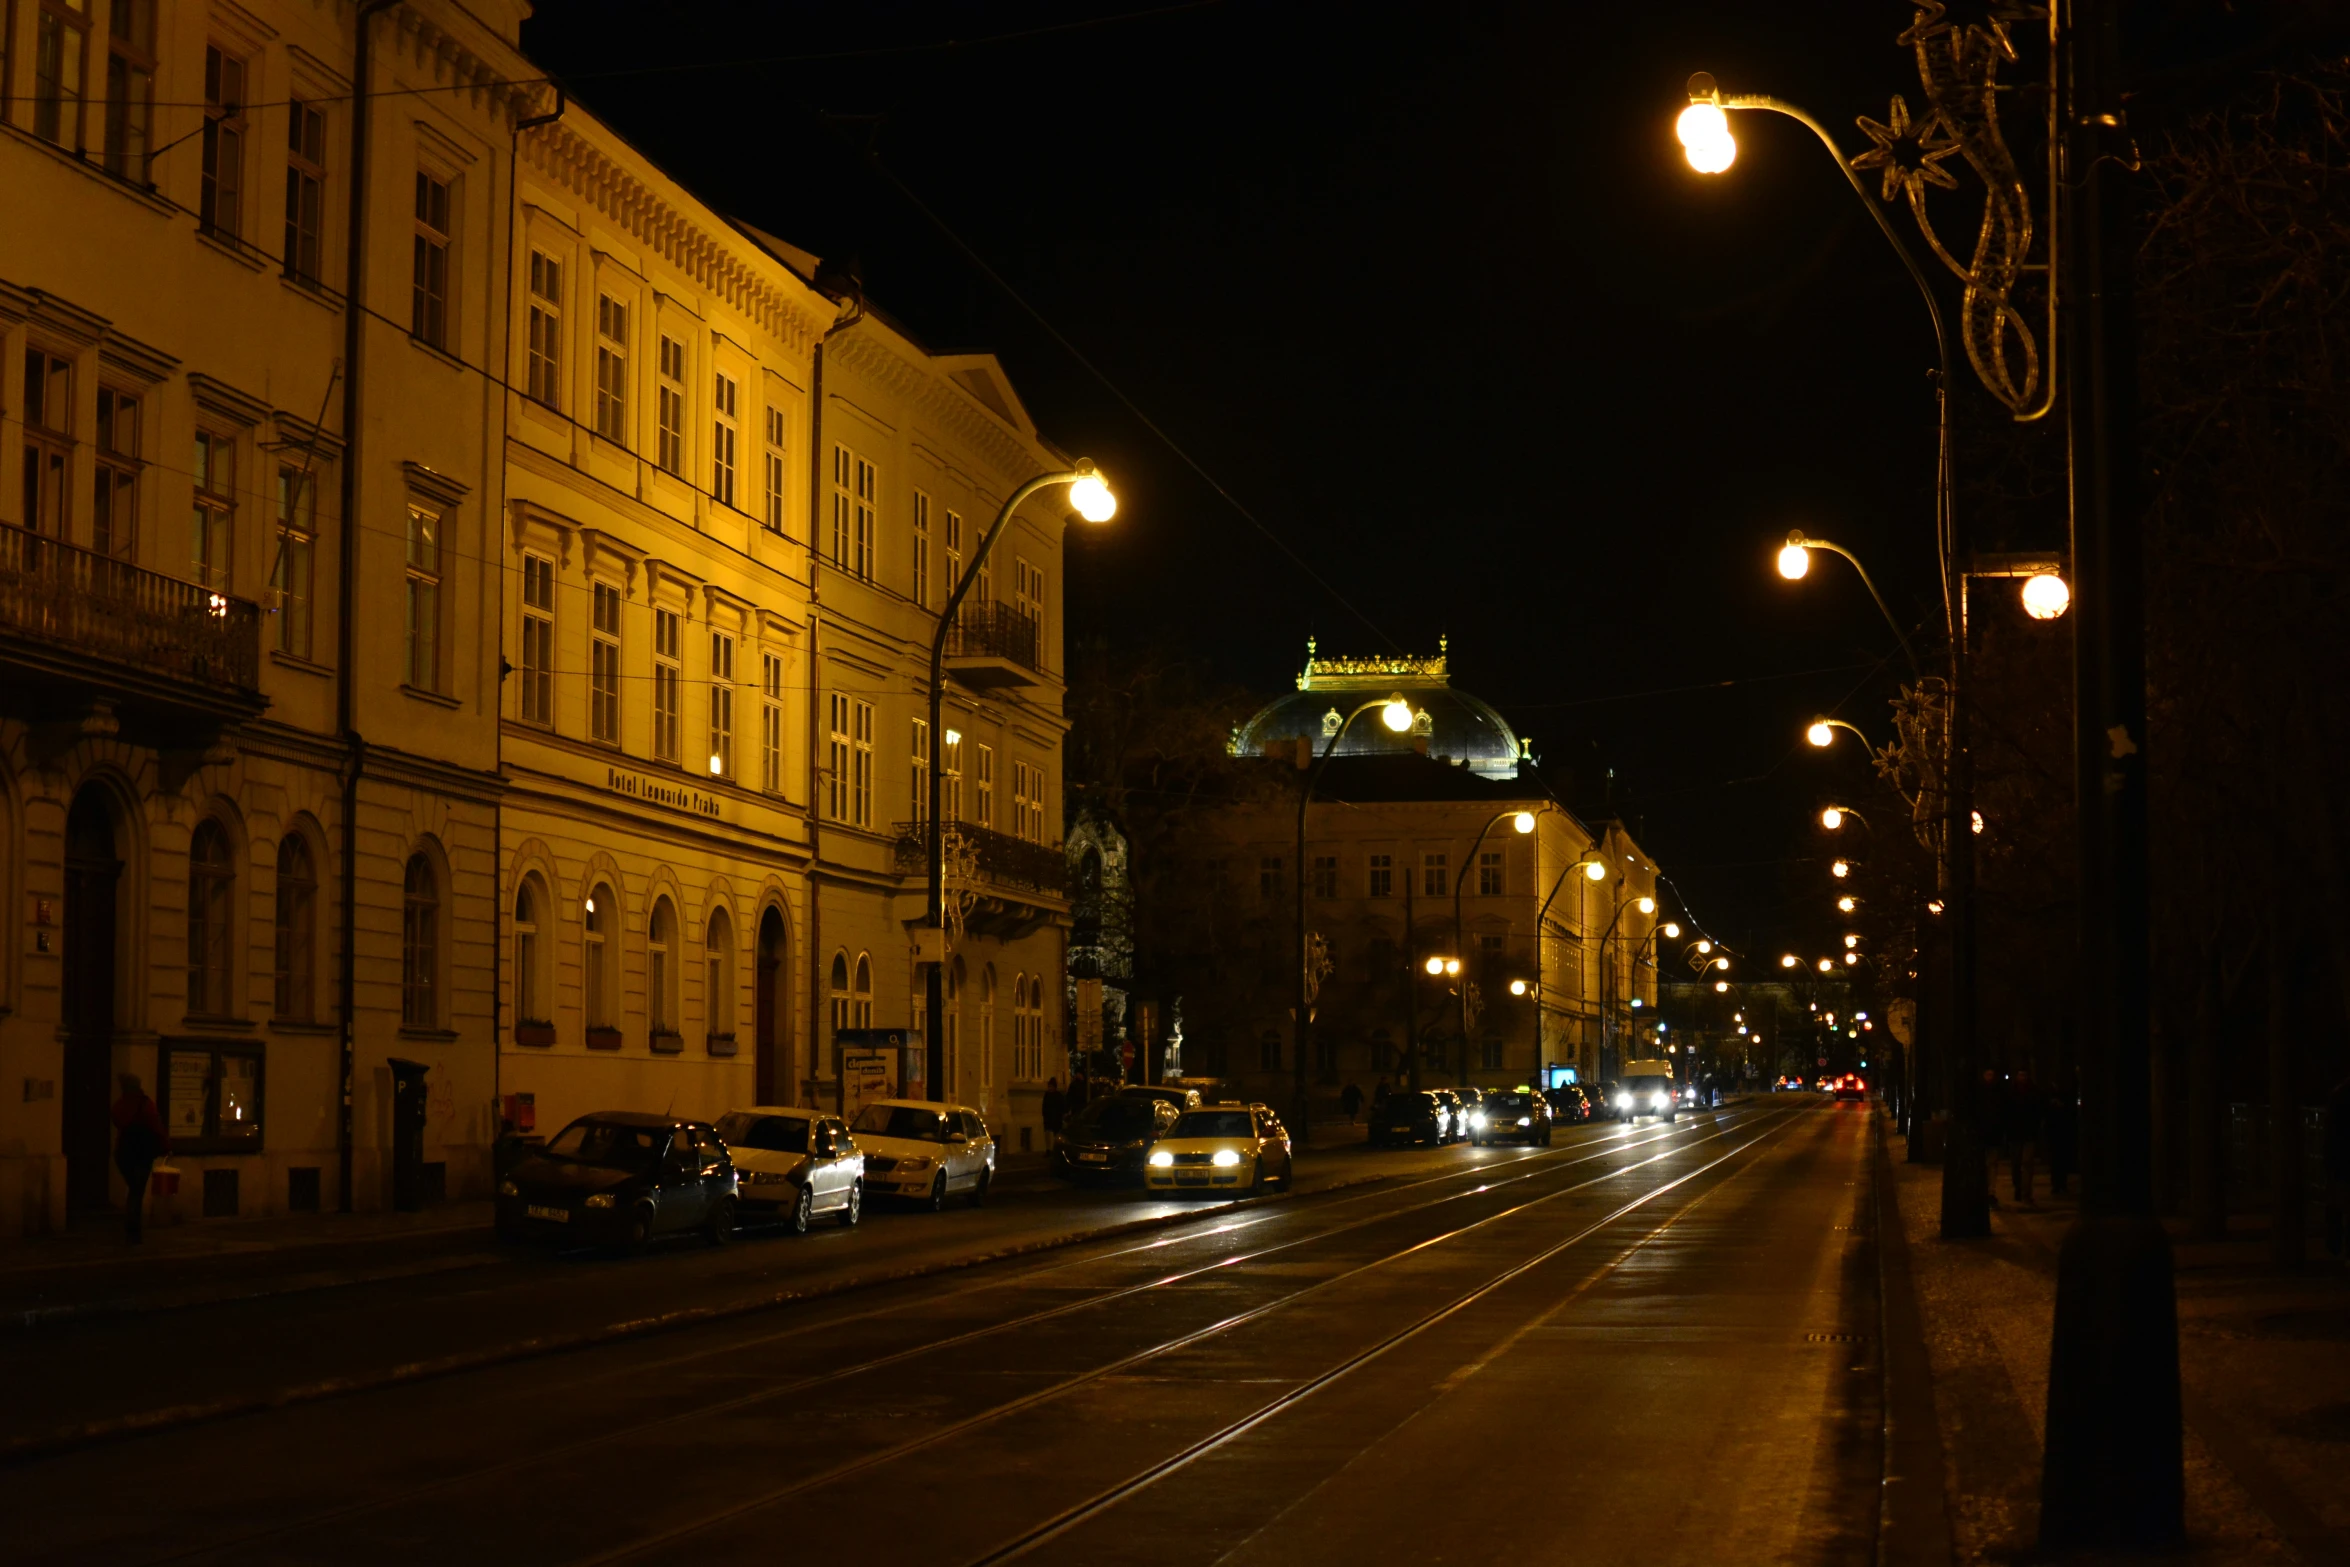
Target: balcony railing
994, 629
1004, 861
71, 600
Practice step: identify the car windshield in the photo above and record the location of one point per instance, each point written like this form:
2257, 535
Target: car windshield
1120, 1119
773, 1133
601, 1142
1509, 1101
910, 1121
1213, 1123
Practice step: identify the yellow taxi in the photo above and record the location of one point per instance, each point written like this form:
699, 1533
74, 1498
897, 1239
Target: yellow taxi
1221, 1147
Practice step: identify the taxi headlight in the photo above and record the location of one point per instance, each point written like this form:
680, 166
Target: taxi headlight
1477, 1120
509, 1189
1162, 1160
915, 1162
1525, 1120
1225, 1159
599, 1200
1623, 1101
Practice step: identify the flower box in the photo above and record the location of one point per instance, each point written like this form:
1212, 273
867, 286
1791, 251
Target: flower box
534, 1033
721, 1044
603, 1039
666, 1043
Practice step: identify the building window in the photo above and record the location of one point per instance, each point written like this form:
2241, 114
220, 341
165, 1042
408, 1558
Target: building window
210, 1096
48, 442
718, 993
211, 919
424, 598
670, 454
836, 756
771, 723
1325, 875
986, 1031
290, 573
538, 640
721, 705
221, 201
115, 515
984, 788
668, 683
420, 946
305, 190
951, 779
861, 998
1269, 877
1434, 883
428, 305
1491, 1053
600, 956
661, 969
61, 45
1269, 1051
1381, 878
918, 770
954, 543
1028, 596
296, 928
1489, 877
611, 369
530, 996
1027, 801
861, 765
212, 526
855, 483
840, 994
774, 517
130, 87
544, 379
921, 549
604, 667
722, 438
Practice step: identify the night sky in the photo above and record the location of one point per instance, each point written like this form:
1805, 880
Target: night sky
1430, 290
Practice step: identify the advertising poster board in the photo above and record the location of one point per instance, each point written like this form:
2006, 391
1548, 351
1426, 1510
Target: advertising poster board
877, 1063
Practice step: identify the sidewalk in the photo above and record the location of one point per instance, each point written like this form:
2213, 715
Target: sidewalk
2264, 1359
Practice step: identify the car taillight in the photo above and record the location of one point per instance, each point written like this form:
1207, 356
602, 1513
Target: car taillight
1861, 1083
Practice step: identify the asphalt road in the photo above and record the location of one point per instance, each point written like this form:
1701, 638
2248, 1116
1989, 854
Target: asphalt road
1645, 1344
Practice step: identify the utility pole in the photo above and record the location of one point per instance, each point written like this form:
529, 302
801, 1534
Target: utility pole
2113, 1472
1411, 987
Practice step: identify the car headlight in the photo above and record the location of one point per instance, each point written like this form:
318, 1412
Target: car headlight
1477, 1120
1525, 1120
916, 1162
1225, 1159
1662, 1101
509, 1189
599, 1200
1623, 1101
1162, 1160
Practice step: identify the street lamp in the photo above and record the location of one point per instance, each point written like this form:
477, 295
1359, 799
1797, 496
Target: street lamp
2046, 596
1795, 561
1521, 823
1822, 732
1841, 869
1090, 494
1846, 904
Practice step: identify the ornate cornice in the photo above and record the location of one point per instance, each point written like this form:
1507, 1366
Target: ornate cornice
950, 407
1362, 674
451, 61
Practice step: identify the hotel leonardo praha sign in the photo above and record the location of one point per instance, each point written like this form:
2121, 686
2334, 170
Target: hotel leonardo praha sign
655, 791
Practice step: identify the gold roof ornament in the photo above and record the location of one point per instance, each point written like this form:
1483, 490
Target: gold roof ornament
1367, 674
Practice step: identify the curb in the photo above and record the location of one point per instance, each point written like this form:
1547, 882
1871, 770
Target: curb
19, 1451
1913, 1502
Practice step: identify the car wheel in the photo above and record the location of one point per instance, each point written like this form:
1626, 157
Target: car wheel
803, 1212
720, 1230
1546, 1137
938, 1192
1257, 1177
640, 1227
856, 1207
979, 1188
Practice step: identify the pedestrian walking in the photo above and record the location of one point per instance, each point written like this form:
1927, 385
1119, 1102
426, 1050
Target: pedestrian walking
2336, 1156
1350, 1098
2060, 1136
2025, 1107
1991, 1130
1380, 1094
139, 1140
1056, 1105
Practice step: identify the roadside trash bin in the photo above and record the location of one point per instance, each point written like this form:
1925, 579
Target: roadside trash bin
408, 1134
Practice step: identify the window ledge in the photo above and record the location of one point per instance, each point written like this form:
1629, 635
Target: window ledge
152, 200
301, 1026
235, 1025
445, 1036
435, 351
436, 698
230, 246
316, 293
297, 661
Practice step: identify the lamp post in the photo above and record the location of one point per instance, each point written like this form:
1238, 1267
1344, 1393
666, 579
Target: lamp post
1595, 870
1646, 905
1795, 563
1521, 822
1094, 502
1398, 716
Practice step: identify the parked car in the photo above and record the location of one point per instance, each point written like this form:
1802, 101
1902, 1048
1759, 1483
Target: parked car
1456, 1114
1166, 1093
797, 1165
1511, 1115
1471, 1099
924, 1151
621, 1178
1227, 1146
1571, 1103
1107, 1138
1409, 1118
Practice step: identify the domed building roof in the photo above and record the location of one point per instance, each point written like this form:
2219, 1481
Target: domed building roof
1450, 725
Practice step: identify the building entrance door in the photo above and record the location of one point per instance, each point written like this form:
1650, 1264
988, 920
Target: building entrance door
773, 1079
91, 874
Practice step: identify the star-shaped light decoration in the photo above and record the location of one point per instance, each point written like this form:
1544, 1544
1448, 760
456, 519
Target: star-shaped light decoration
1970, 22
1911, 154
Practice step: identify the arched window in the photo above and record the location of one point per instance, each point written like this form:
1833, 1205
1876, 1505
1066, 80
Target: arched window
840, 993
530, 984
600, 956
864, 991
718, 998
661, 968
420, 946
986, 1032
296, 929
211, 899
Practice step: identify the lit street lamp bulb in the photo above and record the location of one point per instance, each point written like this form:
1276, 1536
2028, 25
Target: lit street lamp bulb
1092, 498
1517, 987
1721, 963
1435, 965
954, 737
2046, 596
1452, 965
716, 765
1714, 154
1841, 868
1820, 734
1787, 961
1636, 1001
1852, 941
1700, 123
1831, 818
1826, 967
1851, 958
1978, 821
1702, 946
1646, 905
1721, 987
1672, 931
1595, 870
1845, 904
1523, 821
1934, 907
1794, 561
1397, 714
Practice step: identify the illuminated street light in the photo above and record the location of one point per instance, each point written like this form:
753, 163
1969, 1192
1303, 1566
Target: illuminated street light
1851, 958
1517, 987
1934, 907
717, 763
1845, 904
1705, 946
1452, 965
1523, 821
1794, 559
1595, 870
2046, 596
1851, 941
1789, 960
1646, 905
1822, 732
1831, 818
1721, 987
1841, 868
1721, 963
1672, 931
1827, 967
1705, 134
1435, 965
1092, 498
1978, 816
1397, 714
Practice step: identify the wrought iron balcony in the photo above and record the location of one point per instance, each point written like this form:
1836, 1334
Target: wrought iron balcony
1003, 861
994, 644
77, 627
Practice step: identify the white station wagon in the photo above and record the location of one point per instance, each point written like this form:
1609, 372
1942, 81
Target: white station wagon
797, 1165
915, 1148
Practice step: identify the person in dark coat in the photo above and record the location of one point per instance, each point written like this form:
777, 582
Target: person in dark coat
1350, 1099
1380, 1094
139, 1140
1991, 1128
2025, 1108
1056, 1105
2060, 1136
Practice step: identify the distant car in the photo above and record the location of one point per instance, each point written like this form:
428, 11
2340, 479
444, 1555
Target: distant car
1572, 1104
1106, 1139
1647, 1089
1456, 1123
1851, 1086
925, 1151
1409, 1118
1511, 1115
621, 1178
796, 1165
1166, 1093
1227, 1146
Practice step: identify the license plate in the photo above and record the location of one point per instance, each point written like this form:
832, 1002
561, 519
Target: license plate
1399, 1128
1094, 1158
557, 1215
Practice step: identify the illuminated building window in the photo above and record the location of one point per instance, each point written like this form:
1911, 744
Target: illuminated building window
775, 472
670, 400
722, 439
771, 723
721, 757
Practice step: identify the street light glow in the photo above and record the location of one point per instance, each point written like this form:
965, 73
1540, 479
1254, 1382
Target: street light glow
1831, 818
1092, 498
1845, 904
2046, 596
1705, 137
1794, 561
1820, 734
1452, 965
1721, 987
1517, 987
1702, 946
1978, 821
1435, 965
1851, 941
1721, 963
1397, 714
1523, 821
1851, 958
1595, 870
1788, 960
1827, 967
1646, 905
1840, 868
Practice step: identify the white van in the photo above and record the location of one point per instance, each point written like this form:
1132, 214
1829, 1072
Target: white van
1646, 1089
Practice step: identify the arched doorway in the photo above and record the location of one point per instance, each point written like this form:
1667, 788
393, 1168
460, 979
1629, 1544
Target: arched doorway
92, 872
773, 1052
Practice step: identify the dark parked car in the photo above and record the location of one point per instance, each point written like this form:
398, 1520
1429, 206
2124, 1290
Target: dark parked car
1180, 1098
1572, 1104
1511, 1115
1109, 1138
1456, 1114
621, 1178
1409, 1118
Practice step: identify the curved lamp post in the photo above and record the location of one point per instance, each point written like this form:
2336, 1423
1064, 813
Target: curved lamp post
1822, 732
1795, 561
1592, 863
1398, 716
1522, 823
1091, 496
1647, 906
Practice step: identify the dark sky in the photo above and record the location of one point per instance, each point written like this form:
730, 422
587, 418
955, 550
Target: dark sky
1431, 291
